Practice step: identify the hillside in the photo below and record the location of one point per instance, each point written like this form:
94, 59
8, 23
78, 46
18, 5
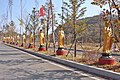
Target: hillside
91, 32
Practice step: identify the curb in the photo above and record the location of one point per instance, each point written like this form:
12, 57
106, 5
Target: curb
90, 69
113, 54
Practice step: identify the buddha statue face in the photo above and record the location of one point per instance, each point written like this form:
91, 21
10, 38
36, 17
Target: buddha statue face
107, 23
18, 36
40, 31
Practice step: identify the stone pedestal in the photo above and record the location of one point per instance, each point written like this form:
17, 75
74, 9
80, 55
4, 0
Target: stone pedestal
42, 48
30, 46
13, 43
106, 59
22, 45
61, 51
17, 44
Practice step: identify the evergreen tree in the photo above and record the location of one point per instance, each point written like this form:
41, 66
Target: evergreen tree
74, 11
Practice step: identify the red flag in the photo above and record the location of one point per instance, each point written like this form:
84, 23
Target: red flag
41, 12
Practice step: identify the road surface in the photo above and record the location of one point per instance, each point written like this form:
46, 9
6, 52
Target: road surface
19, 65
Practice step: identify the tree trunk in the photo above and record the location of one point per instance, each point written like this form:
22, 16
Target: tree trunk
53, 35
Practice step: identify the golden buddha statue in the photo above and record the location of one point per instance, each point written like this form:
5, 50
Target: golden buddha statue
31, 38
4, 39
18, 39
10, 39
13, 40
23, 38
108, 39
61, 37
41, 38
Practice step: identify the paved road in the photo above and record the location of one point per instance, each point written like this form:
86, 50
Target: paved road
18, 65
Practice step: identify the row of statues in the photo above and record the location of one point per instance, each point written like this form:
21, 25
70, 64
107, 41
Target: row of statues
108, 38
10, 40
16, 40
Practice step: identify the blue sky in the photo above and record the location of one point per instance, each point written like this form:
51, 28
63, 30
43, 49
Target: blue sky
29, 4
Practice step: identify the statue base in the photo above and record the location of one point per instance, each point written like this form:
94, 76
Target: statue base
13, 43
42, 48
17, 44
61, 51
30, 46
106, 59
22, 45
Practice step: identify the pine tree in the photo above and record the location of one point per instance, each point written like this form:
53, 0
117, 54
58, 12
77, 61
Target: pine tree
34, 22
74, 12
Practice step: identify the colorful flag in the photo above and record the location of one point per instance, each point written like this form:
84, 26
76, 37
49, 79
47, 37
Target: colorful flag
41, 12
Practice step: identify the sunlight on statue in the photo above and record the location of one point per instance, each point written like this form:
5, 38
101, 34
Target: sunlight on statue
4, 39
31, 38
108, 39
10, 39
23, 38
18, 39
61, 37
41, 38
